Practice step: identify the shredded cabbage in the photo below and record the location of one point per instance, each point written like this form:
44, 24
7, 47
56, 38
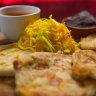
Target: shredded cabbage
47, 35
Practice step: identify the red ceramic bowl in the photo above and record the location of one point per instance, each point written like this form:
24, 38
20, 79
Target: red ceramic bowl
78, 32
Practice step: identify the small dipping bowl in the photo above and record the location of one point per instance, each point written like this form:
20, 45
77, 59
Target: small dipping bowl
79, 32
12, 26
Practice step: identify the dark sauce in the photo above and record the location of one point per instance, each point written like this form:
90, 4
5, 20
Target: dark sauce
82, 20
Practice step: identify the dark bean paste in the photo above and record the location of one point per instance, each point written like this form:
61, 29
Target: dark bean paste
83, 19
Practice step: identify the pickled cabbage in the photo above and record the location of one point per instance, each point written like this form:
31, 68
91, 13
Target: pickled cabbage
47, 35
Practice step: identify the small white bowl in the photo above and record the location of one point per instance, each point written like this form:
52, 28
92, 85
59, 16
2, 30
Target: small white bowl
13, 26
